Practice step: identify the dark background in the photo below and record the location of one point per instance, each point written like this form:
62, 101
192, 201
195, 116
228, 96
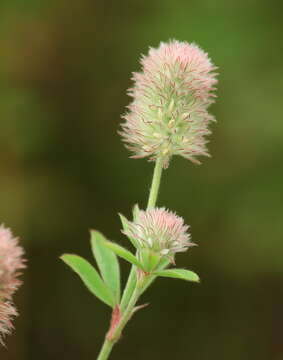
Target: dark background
65, 66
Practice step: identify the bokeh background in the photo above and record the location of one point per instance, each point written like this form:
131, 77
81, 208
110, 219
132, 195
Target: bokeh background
65, 66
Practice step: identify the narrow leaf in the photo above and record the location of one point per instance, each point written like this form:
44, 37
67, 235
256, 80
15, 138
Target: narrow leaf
107, 263
89, 276
179, 274
123, 253
125, 225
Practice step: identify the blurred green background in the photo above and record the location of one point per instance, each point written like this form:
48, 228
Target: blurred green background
65, 66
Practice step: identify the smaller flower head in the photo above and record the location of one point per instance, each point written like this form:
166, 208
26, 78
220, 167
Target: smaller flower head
11, 262
161, 231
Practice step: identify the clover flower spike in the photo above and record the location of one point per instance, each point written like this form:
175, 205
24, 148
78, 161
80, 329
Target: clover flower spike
168, 115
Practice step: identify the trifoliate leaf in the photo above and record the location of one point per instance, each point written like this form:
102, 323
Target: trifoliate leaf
90, 277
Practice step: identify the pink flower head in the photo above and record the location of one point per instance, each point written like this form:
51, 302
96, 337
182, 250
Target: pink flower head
168, 115
11, 262
160, 230
7, 312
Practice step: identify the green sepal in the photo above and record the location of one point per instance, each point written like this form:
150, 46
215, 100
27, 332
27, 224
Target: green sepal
136, 211
107, 263
149, 259
124, 221
90, 277
182, 274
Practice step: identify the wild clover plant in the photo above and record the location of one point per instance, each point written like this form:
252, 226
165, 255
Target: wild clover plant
167, 116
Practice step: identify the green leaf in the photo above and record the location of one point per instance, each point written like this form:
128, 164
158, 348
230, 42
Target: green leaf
182, 274
107, 263
90, 277
125, 225
123, 253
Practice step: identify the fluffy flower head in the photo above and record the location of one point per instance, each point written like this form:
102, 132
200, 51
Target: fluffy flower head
161, 231
11, 262
7, 312
168, 115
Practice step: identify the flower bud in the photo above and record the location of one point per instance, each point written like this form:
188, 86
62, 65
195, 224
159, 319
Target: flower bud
168, 115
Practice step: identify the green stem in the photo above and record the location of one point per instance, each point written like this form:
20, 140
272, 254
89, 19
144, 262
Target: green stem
115, 335
155, 183
105, 350
129, 289
134, 288
154, 189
